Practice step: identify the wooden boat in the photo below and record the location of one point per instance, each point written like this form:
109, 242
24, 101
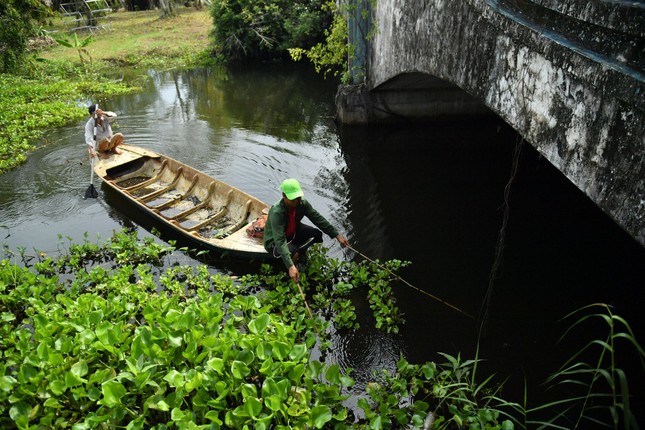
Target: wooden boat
209, 212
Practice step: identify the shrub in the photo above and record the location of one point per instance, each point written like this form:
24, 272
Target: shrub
265, 29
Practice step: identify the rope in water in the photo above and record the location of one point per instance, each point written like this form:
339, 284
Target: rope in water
410, 285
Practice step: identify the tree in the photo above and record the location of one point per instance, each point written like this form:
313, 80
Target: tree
344, 50
331, 55
18, 20
265, 29
167, 8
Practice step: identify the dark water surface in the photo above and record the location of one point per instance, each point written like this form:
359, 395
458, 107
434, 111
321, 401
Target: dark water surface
432, 194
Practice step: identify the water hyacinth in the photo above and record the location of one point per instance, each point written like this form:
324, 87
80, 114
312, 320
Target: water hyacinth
107, 335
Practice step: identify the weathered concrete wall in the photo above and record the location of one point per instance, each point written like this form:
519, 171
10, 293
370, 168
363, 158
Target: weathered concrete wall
577, 95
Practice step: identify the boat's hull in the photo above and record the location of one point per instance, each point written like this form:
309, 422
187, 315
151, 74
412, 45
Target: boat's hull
208, 212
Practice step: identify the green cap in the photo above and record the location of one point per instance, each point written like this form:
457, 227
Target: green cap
291, 188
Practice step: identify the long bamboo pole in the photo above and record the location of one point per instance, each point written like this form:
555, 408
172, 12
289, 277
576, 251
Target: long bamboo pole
410, 285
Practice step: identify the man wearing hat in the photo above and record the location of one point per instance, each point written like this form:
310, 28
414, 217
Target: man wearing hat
285, 236
106, 141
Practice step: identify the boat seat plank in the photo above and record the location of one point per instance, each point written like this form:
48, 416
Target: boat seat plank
180, 197
215, 217
210, 220
164, 165
203, 204
165, 189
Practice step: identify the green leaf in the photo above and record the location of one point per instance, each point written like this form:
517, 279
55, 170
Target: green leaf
280, 350
273, 402
79, 369
249, 390
298, 352
86, 337
136, 424
7, 316
106, 333
214, 417
174, 378
52, 402
194, 382
217, 364
263, 350
95, 317
246, 355
175, 338
239, 369
7, 382
296, 372
253, 406
57, 387
145, 335
428, 370
113, 391
72, 380
320, 415
333, 374
178, 415
157, 402
20, 410
508, 425
259, 324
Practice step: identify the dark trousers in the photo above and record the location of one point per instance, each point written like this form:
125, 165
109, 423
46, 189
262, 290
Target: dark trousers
305, 236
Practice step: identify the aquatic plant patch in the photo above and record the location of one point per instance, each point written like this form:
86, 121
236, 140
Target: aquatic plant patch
104, 336
116, 350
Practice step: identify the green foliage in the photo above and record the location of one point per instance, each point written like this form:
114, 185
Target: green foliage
265, 29
330, 56
18, 22
331, 282
445, 395
79, 45
49, 94
101, 337
112, 347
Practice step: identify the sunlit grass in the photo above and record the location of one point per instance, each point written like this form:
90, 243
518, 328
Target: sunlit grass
139, 33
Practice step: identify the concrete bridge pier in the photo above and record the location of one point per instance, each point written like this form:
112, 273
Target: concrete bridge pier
408, 97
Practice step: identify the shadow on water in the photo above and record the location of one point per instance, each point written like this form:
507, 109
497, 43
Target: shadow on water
434, 195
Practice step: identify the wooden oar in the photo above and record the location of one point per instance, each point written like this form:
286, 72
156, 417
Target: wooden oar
410, 285
91, 191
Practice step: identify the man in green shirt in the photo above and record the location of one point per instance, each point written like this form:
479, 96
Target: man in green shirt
285, 236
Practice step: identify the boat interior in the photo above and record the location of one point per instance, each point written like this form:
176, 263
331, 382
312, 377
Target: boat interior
191, 201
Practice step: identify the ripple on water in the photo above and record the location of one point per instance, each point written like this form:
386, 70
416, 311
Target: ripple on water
368, 352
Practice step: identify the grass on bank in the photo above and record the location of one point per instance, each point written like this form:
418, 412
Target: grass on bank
143, 39
57, 84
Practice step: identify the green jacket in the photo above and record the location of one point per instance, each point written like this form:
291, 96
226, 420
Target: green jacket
277, 224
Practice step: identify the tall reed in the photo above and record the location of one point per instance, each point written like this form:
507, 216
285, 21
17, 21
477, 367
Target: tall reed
595, 389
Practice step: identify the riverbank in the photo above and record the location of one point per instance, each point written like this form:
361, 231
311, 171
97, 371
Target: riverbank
55, 89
